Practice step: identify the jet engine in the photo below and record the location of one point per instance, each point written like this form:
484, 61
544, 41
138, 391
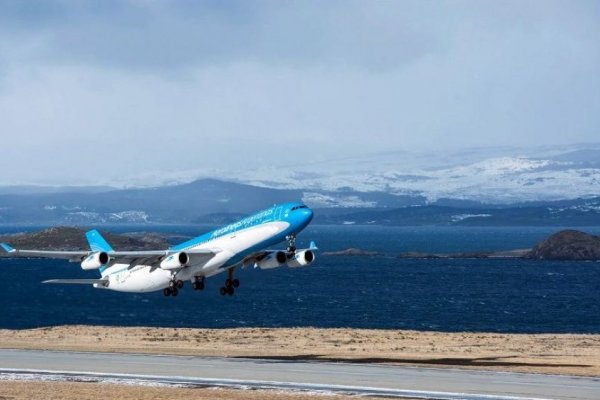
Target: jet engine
301, 258
272, 260
95, 261
175, 261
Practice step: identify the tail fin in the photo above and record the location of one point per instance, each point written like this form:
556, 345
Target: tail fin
97, 242
313, 246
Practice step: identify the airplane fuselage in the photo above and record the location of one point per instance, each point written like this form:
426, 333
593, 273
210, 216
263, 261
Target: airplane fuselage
234, 242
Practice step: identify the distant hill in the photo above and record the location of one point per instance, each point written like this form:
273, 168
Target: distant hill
201, 201
69, 238
218, 202
568, 213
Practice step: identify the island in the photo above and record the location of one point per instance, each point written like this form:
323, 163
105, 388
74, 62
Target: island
567, 245
65, 238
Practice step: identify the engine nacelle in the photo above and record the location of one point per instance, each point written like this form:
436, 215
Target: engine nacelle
302, 258
95, 261
175, 261
273, 260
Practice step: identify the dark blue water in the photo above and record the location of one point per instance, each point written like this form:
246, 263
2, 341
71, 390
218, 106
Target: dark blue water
366, 292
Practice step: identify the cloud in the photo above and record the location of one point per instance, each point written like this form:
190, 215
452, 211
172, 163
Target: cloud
161, 35
123, 88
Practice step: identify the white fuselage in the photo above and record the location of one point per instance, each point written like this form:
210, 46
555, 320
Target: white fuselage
232, 246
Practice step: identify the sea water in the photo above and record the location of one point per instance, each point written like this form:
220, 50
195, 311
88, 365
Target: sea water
501, 295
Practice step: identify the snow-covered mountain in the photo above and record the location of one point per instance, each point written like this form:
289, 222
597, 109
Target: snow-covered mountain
502, 176
492, 175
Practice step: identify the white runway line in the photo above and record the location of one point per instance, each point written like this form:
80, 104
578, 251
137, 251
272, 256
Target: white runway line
44, 375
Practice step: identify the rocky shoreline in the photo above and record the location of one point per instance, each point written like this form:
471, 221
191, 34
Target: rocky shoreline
564, 245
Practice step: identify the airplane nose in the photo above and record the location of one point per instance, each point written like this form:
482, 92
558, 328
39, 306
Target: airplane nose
308, 214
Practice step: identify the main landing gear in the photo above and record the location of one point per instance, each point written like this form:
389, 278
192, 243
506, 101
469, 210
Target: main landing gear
230, 284
174, 286
198, 283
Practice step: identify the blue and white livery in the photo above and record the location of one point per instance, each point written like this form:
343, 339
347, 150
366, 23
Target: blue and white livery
240, 244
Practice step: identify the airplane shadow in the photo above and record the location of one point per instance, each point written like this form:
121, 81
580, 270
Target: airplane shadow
464, 362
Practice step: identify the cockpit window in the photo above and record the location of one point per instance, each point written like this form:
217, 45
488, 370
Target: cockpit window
298, 207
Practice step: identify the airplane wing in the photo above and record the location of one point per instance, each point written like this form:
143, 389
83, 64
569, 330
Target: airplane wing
78, 281
148, 257
251, 259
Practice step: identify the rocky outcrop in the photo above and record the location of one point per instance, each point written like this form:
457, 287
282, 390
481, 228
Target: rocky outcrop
567, 245
353, 252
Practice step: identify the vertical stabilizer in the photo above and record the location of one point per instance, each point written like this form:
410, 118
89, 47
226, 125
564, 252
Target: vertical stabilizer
97, 242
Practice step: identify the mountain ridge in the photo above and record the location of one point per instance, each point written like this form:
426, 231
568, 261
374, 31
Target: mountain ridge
212, 201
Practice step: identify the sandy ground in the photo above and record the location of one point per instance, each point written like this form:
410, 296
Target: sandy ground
542, 353
21, 390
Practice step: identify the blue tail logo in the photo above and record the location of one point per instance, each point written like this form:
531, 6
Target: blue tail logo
97, 242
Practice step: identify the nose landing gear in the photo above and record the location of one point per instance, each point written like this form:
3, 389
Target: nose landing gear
291, 239
230, 284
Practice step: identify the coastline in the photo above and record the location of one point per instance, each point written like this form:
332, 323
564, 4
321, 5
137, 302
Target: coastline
548, 353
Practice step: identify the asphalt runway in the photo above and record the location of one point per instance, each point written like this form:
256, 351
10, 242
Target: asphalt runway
400, 381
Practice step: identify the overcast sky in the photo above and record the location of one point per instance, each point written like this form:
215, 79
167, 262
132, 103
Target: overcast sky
97, 91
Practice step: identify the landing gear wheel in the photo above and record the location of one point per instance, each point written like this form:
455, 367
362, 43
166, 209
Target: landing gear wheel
198, 283
167, 292
179, 284
230, 283
223, 291
172, 284
174, 292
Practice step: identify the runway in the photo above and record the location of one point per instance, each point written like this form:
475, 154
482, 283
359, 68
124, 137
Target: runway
382, 380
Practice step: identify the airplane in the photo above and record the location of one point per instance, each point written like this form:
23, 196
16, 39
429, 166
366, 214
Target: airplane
240, 244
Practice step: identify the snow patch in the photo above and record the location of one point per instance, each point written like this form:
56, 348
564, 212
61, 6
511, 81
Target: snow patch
318, 200
129, 216
462, 217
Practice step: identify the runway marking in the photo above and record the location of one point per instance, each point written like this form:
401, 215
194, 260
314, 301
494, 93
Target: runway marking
26, 374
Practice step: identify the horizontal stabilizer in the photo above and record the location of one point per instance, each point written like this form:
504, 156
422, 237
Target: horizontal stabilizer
78, 281
7, 247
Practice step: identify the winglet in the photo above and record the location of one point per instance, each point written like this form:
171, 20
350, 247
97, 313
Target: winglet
313, 246
97, 242
8, 248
